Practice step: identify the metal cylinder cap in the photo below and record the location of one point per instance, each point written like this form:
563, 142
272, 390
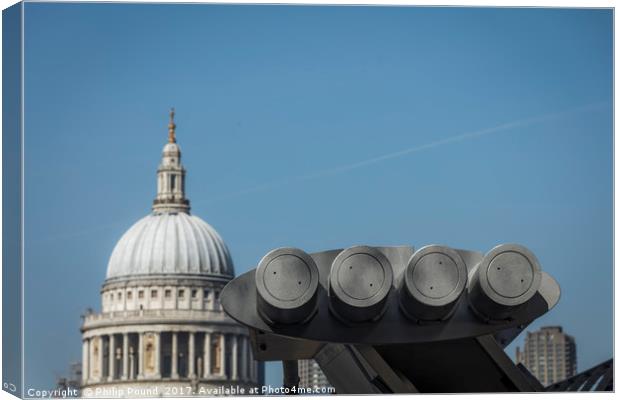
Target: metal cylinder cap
434, 280
287, 281
509, 274
360, 280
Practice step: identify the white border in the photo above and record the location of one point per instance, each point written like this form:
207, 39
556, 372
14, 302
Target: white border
479, 3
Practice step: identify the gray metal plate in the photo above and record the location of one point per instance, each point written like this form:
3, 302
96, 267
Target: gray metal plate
436, 275
510, 274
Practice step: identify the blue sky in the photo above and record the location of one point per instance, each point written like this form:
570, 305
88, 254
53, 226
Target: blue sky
278, 110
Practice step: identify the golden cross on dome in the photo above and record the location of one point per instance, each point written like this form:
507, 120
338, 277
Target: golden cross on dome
171, 127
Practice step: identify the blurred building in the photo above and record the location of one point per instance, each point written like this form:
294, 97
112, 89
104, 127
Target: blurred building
161, 327
70, 384
311, 375
549, 354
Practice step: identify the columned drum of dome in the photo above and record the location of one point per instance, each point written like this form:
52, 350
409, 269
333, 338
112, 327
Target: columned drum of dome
161, 329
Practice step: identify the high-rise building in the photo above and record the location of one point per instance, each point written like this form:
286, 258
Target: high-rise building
311, 375
161, 327
549, 354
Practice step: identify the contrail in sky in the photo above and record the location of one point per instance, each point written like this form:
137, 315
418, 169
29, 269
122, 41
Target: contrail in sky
363, 163
410, 150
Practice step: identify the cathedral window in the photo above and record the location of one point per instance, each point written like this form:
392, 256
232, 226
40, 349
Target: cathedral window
129, 295
216, 296
173, 182
168, 293
120, 295
181, 294
194, 293
140, 294
153, 294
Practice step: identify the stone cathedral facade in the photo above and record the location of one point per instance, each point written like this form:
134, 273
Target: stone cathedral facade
161, 326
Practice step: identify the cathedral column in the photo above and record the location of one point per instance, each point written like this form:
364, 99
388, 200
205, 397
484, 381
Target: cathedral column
125, 356
100, 359
244, 358
248, 355
223, 355
157, 354
91, 358
175, 357
192, 355
141, 355
207, 355
85, 360
234, 370
111, 357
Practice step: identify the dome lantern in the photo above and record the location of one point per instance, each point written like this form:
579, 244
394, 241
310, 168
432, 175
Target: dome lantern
171, 176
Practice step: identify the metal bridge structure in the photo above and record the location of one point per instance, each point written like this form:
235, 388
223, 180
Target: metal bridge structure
395, 319
599, 378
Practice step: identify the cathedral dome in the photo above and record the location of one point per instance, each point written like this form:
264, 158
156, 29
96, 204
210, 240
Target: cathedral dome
170, 243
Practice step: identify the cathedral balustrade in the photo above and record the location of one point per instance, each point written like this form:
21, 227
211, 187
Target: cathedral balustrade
98, 319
